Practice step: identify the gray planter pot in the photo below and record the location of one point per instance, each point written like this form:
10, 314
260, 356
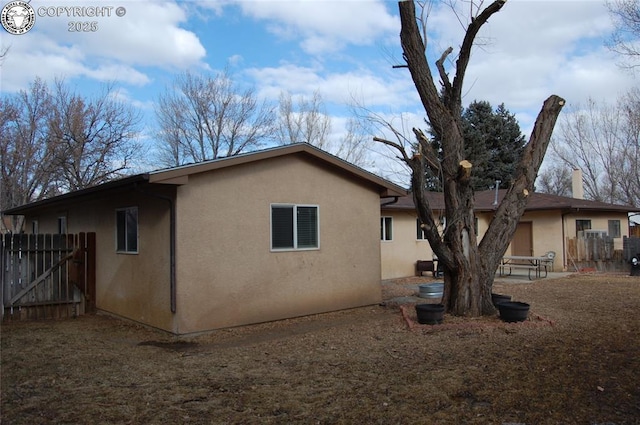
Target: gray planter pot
431, 290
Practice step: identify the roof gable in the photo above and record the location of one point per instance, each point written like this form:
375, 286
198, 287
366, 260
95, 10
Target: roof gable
180, 175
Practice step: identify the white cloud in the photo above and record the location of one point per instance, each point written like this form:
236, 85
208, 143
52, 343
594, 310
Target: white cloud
149, 34
533, 49
324, 26
342, 88
235, 60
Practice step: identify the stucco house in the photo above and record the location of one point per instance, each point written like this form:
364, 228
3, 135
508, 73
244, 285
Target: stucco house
273, 234
546, 224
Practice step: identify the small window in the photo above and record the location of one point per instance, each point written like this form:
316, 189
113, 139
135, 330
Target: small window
582, 225
127, 230
34, 227
614, 228
386, 228
420, 231
62, 225
294, 227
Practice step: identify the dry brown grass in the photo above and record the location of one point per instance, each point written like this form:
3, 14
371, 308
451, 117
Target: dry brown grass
581, 365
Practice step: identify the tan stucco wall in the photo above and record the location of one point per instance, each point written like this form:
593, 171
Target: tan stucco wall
400, 254
549, 233
546, 227
227, 274
599, 221
135, 286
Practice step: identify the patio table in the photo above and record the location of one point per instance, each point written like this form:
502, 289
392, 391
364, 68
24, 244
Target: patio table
530, 263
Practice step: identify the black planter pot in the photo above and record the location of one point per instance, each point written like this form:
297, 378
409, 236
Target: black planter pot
499, 298
513, 311
430, 314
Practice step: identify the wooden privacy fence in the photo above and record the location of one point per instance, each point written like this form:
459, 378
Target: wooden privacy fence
594, 253
47, 276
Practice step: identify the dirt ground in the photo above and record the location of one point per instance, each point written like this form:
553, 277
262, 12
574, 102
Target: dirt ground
575, 361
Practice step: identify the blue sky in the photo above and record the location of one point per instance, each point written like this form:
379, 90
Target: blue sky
342, 49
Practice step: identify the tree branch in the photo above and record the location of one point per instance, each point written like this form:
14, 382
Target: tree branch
497, 237
465, 49
396, 146
414, 52
443, 75
427, 151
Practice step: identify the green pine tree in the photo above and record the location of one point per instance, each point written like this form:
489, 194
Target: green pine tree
493, 144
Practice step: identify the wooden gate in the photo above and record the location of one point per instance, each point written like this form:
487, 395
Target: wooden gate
47, 276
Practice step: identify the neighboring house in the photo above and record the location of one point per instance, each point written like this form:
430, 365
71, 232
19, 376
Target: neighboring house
547, 222
274, 234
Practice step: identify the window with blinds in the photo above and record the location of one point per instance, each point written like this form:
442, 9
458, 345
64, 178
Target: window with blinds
294, 227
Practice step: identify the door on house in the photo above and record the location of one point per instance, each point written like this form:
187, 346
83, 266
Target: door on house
522, 243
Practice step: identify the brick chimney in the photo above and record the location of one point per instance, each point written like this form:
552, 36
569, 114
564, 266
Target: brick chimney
576, 184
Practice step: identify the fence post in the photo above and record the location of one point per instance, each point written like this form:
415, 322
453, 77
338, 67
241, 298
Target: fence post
90, 271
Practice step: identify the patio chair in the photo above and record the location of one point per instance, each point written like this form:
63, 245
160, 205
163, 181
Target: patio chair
550, 257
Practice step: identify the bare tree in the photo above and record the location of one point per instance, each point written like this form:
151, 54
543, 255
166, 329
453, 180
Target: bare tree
625, 39
204, 117
94, 139
304, 121
588, 141
555, 180
173, 149
354, 145
469, 267
3, 54
629, 170
54, 141
604, 142
25, 170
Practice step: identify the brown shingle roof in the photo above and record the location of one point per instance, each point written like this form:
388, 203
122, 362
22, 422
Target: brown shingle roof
484, 201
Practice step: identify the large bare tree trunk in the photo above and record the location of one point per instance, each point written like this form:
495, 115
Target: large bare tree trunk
469, 267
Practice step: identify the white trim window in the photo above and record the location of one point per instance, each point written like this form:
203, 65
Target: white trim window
62, 225
420, 234
294, 227
127, 230
614, 229
386, 228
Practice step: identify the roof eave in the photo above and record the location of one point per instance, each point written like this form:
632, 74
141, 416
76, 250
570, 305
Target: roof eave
115, 184
180, 175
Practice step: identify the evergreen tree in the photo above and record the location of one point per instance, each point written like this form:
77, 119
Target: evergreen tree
493, 144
